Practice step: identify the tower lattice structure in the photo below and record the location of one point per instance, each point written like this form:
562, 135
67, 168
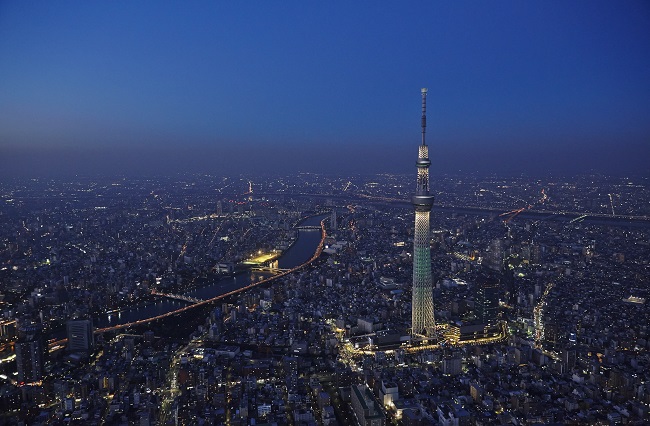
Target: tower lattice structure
422, 317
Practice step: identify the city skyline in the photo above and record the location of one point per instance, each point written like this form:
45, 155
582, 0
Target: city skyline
229, 230
190, 321
153, 89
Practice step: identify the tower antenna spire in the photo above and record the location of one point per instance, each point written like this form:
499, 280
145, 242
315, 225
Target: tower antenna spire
424, 114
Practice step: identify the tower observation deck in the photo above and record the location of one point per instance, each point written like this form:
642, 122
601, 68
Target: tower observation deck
422, 317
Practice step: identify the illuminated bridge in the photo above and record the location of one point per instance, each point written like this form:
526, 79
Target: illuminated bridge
318, 252
308, 227
268, 269
177, 297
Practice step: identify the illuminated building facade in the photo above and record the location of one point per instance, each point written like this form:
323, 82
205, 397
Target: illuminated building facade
422, 318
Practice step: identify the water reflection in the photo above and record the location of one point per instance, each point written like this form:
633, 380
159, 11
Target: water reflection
300, 252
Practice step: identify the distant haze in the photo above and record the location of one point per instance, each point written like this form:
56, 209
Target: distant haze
362, 159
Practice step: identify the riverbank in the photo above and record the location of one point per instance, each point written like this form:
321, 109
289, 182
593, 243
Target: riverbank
316, 254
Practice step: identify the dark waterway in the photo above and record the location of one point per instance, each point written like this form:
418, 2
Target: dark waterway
301, 251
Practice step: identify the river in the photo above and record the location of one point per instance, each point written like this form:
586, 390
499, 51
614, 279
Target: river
300, 252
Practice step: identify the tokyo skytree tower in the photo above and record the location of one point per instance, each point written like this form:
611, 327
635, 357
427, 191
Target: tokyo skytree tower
422, 319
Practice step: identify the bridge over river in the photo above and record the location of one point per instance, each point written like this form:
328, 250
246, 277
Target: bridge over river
177, 296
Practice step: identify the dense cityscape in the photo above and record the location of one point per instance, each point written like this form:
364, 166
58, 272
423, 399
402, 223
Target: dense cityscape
287, 300
253, 213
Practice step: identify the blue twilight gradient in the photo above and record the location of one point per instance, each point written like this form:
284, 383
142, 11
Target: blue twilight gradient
128, 86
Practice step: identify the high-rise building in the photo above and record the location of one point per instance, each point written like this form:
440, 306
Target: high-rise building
422, 317
494, 257
29, 358
487, 299
219, 208
510, 286
30, 351
333, 220
80, 335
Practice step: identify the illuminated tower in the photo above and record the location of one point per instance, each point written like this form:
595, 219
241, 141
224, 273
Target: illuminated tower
422, 319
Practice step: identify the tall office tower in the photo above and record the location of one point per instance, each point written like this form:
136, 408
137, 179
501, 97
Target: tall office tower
29, 358
422, 318
333, 220
80, 335
494, 258
487, 298
219, 208
508, 279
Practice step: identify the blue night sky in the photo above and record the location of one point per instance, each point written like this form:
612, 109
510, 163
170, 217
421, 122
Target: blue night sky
323, 86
